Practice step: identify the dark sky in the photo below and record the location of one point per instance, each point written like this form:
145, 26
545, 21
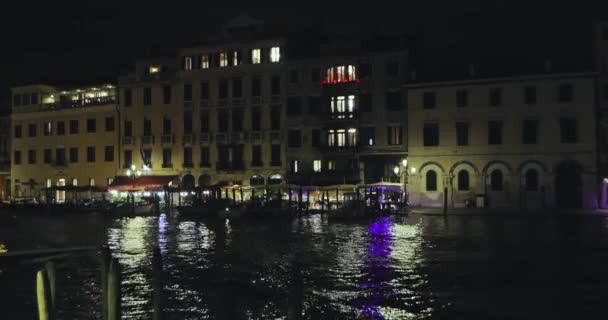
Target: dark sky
93, 41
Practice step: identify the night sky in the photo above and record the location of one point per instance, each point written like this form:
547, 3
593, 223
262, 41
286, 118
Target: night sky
89, 42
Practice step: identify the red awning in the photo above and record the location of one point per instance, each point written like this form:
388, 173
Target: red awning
124, 183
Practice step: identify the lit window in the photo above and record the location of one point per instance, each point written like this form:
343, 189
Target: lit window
49, 183
351, 105
330, 75
352, 74
340, 76
295, 166
205, 61
153, 69
187, 63
223, 59
91, 182
74, 181
352, 137
331, 138
235, 58
256, 56
316, 165
331, 165
341, 137
275, 54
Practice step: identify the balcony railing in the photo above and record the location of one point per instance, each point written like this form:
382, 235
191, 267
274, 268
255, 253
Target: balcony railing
187, 139
167, 139
275, 136
221, 137
187, 105
205, 164
275, 99
237, 102
86, 102
256, 101
167, 165
188, 164
257, 136
222, 102
205, 138
128, 140
258, 163
147, 140
342, 115
230, 166
205, 103
237, 137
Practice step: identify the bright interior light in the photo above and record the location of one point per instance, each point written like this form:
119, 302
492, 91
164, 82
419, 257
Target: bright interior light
413, 170
113, 192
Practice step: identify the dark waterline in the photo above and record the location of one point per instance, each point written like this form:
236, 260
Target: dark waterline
419, 267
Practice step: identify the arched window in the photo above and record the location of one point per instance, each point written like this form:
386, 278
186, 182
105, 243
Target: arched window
431, 180
463, 180
531, 180
496, 180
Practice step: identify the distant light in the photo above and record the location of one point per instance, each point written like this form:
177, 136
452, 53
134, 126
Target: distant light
138, 173
227, 209
605, 180
128, 173
123, 194
133, 167
146, 194
413, 170
113, 192
396, 169
183, 194
404, 162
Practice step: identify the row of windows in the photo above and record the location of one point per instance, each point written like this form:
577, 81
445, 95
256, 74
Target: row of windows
565, 93
60, 156
496, 180
59, 127
347, 137
230, 58
226, 155
529, 134
25, 99
317, 165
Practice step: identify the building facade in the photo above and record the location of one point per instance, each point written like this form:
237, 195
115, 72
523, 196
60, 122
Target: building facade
522, 141
62, 138
5, 157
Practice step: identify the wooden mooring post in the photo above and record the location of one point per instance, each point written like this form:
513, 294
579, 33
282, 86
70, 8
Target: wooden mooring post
45, 292
157, 284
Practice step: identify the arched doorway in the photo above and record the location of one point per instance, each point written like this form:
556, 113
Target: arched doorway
568, 185
257, 180
188, 182
275, 179
204, 180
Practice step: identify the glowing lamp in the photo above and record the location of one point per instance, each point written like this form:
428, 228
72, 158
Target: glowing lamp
138, 173
396, 169
413, 170
404, 162
128, 173
133, 167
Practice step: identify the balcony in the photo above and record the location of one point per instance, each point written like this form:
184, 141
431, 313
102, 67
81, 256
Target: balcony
205, 103
205, 164
275, 99
256, 101
230, 166
147, 140
222, 102
127, 141
85, 102
257, 163
188, 139
275, 136
187, 105
237, 102
238, 137
188, 164
167, 139
221, 137
340, 88
342, 115
346, 149
205, 138
257, 136
167, 165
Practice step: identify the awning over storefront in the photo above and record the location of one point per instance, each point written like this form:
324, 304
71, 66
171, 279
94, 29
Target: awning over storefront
124, 183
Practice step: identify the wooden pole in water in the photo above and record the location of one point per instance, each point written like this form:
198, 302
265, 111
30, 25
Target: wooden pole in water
295, 299
300, 201
233, 196
43, 296
179, 197
114, 290
445, 200
289, 195
104, 257
50, 271
157, 267
241, 193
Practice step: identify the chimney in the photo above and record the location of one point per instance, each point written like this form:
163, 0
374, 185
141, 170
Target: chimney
547, 65
472, 70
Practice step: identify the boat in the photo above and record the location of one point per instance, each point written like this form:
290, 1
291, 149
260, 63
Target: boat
129, 209
212, 208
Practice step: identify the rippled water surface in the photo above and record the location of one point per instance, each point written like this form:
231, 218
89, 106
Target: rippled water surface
417, 267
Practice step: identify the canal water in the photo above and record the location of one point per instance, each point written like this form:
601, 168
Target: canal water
416, 267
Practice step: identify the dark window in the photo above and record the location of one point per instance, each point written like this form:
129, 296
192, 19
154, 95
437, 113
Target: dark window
256, 119
237, 119
147, 127
256, 155
462, 98
16, 100
393, 100
463, 180
223, 89
187, 91
90, 154
275, 118
496, 180
316, 137
395, 134
368, 136
17, 157
531, 180
128, 128
275, 86
34, 98
495, 132
60, 128
204, 121
91, 125
148, 157
147, 96
17, 131
60, 156
25, 99
166, 126
223, 157
462, 133
428, 100
109, 154
109, 123
187, 122
530, 95
256, 87
205, 159
31, 130
294, 139
365, 70
606, 92
128, 160
530, 132
495, 96
188, 158
237, 88
31, 156
128, 98
293, 76
566, 92
167, 94
74, 127
365, 102
275, 155
294, 106
430, 135
315, 75
392, 69
568, 130
73, 154
48, 158
223, 120
204, 90
167, 158
431, 180
314, 105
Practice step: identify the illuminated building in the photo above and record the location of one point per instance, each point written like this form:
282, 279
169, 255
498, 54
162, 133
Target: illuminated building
62, 138
5, 156
525, 141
